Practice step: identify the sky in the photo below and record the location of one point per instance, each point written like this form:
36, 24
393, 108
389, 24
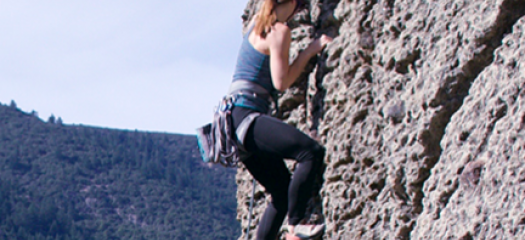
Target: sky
158, 66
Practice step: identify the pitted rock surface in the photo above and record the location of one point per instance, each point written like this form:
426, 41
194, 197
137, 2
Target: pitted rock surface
421, 107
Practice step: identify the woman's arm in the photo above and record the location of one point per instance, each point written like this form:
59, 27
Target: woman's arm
284, 74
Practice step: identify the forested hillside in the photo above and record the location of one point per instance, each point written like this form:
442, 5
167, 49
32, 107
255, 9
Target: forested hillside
74, 182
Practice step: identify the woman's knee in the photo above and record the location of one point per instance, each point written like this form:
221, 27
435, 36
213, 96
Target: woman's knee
312, 152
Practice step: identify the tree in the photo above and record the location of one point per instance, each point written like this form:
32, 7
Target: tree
51, 119
13, 104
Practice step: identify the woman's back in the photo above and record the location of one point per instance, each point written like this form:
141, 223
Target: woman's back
253, 64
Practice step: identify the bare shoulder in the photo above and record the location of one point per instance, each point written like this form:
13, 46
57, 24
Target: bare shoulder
280, 32
281, 28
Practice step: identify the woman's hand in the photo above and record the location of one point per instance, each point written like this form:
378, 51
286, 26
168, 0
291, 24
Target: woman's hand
319, 44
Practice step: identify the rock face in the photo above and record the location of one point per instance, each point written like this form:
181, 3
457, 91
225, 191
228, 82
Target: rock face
421, 107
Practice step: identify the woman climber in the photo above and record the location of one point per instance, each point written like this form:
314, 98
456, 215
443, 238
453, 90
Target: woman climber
263, 61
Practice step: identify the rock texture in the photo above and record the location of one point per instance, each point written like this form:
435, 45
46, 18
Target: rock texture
421, 106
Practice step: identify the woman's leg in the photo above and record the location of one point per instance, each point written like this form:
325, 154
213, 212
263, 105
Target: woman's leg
271, 137
272, 173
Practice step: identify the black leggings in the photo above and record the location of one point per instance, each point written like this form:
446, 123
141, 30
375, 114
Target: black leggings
271, 141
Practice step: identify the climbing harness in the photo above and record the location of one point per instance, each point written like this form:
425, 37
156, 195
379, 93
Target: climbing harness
216, 140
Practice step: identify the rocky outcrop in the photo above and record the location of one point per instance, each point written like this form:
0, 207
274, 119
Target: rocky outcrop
421, 107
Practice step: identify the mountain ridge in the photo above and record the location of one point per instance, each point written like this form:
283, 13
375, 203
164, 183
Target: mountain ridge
62, 181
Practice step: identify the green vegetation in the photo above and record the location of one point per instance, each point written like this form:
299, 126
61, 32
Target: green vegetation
75, 182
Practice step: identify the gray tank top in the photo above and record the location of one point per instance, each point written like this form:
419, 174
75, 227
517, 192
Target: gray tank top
253, 66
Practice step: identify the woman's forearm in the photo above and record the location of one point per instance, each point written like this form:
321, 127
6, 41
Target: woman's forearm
298, 65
